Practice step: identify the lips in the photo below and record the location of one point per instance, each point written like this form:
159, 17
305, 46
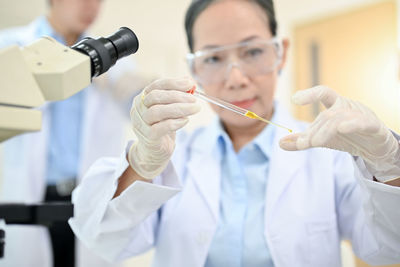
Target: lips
244, 103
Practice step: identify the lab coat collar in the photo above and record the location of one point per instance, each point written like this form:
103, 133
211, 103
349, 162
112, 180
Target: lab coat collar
283, 164
263, 140
208, 140
204, 165
215, 135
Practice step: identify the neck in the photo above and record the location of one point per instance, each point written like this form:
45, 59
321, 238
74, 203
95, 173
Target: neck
240, 136
69, 36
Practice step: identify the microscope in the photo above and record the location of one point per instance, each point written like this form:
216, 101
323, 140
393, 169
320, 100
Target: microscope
49, 71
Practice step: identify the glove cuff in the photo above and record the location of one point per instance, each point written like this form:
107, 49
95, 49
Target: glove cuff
386, 168
146, 168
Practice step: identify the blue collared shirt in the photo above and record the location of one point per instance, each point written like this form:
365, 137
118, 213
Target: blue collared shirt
239, 239
65, 124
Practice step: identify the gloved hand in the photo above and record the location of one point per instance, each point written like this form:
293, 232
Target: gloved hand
157, 113
349, 126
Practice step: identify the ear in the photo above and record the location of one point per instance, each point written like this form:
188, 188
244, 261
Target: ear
285, 48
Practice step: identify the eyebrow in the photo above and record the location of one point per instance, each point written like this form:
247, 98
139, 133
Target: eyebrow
252, 37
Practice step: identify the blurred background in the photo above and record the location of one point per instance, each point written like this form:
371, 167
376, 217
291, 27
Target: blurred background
351, 46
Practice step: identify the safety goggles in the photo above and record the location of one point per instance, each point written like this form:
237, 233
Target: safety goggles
256, 57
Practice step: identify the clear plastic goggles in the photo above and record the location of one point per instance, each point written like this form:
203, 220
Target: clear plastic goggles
257, 57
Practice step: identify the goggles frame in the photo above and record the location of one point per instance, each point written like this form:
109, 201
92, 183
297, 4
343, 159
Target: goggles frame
190, 57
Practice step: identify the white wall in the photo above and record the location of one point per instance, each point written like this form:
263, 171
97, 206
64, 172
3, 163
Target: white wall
293, 12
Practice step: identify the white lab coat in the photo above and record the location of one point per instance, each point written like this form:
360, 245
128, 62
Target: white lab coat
24, 167
312, 202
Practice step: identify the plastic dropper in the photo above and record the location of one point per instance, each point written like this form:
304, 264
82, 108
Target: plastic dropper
231, 107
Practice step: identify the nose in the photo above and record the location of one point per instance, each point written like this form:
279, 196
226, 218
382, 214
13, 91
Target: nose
235, 78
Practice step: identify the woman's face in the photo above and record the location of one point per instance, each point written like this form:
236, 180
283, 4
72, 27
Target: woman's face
230, 22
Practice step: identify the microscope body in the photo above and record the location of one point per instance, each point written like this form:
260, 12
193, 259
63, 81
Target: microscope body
49, 71
42, 71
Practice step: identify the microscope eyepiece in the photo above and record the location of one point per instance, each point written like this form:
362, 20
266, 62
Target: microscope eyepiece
125, 42
105, 51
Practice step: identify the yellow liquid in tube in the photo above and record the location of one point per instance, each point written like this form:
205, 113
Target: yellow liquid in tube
253, 115
233, 108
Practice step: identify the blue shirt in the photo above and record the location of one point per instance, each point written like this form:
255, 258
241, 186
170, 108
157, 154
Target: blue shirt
65, 122
239, 239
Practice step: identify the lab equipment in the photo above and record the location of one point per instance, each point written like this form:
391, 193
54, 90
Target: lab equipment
231, 107
104, 52
48, 70
43, 70
32, 214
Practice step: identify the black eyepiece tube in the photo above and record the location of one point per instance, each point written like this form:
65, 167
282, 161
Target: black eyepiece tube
125, 42
104, 52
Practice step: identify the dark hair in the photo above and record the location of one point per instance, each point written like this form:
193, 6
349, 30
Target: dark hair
198, 6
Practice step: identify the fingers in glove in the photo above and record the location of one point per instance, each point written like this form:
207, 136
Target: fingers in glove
158, 130
297, 141
166, 127
322, 94
138, 106
183, 85
304, 140
143, 123
323, 132
301, 141
326, 134
308, 139
140, 127
289, 142
158, 113
158, 97
358, 123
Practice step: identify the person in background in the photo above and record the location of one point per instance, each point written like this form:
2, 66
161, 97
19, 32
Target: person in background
46, 165
228, 194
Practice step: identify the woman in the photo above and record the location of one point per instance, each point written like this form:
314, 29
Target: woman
242, 201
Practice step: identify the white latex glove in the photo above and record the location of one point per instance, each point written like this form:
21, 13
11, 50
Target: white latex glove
349, 126
157, 113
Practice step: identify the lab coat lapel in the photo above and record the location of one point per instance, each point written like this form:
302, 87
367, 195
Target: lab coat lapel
283, 164
204, 168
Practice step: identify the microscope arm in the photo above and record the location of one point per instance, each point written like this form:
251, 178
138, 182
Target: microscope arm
43, 70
